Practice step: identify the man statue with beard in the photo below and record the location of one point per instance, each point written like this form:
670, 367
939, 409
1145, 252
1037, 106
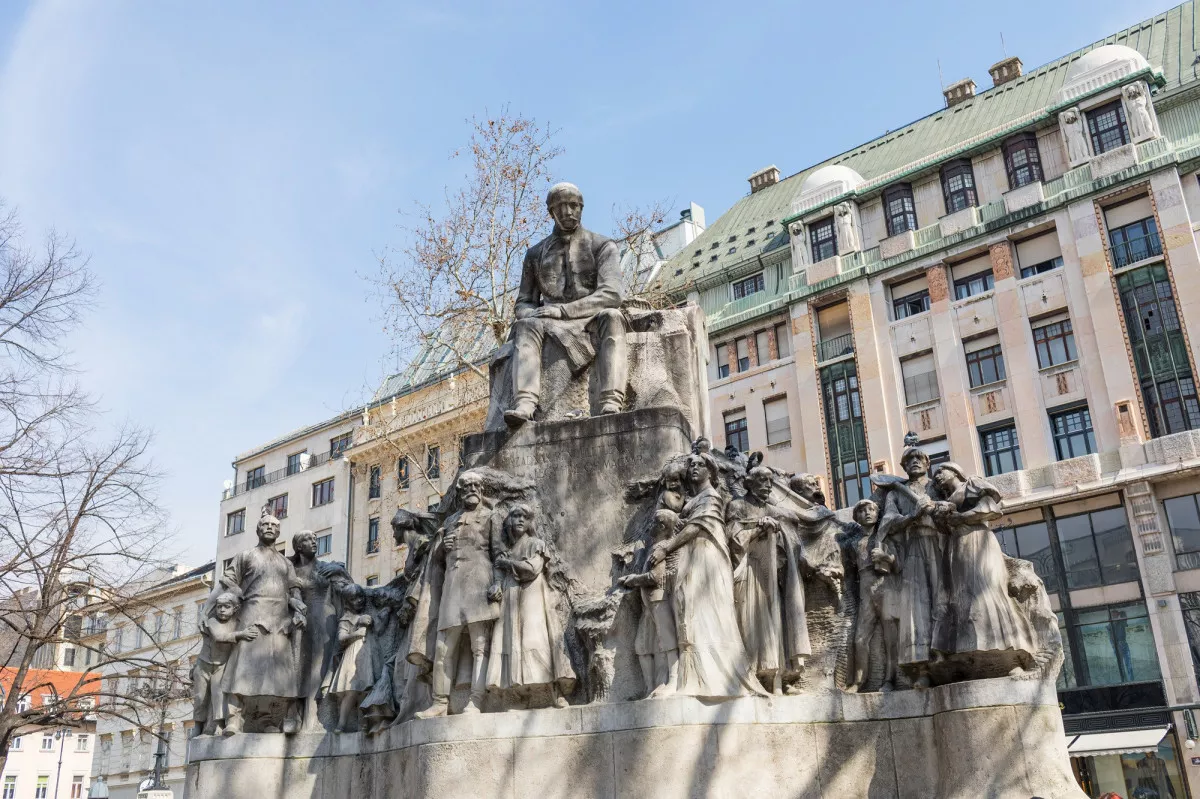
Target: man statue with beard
463, 552
320, 586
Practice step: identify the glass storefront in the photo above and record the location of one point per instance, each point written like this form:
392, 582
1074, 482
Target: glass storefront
1133, 775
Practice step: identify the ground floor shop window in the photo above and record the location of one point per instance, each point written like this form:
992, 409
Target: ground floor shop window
1154, 774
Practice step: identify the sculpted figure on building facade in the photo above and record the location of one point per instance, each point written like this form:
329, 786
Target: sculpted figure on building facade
800, 245
878, 594
528, 656
354, 675
1141, 117
907, 521
768, 584
316, 645
847, 231
265, 667
570, 293
218, 635
712, 657
1070, 122
982, 631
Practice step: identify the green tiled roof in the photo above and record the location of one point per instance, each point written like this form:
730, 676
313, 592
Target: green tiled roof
1167, 40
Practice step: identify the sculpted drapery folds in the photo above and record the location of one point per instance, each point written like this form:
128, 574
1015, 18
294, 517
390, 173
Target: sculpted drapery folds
316, 646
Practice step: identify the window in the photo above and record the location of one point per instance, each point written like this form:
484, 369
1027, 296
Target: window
42, 787
973, 284
779, 427
722, 361
10, 782
1039, 254
1135, 242
1022, 160
16, 742
402, 471
433, 462
373, 482
139, 633
985, 365
432, 502
81, 742
920, 379
294, 461
1183, 517
256, 477
47, 741
845, 434
372, 536
1039, 268
119, 633
372, 580
1107, 127
1097, 548
340, 444
226, 564
747, 286
762, 345
958, 185
324, 544
1072, 430
77, 787
322, 493
68, 656
235, 522
736, 434
1031, 542
177, 622
277, 506
911, 304
783, 340
822, 240
1055, 343
1001, 452
741, 348
1114, 645
898, 209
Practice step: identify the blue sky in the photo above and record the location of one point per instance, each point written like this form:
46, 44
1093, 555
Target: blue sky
232, 168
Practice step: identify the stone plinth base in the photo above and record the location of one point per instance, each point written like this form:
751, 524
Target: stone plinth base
988, 739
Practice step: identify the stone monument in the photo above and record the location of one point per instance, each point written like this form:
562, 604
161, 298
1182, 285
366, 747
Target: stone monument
607, 606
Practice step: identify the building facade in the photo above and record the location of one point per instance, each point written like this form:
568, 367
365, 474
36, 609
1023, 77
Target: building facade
1014, 279
46, 762
161, 625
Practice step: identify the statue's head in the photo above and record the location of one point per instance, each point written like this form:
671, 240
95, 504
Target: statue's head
565, 203
470, 489
225, 606
702, 444
673, 477
1070, 116
808, 486
701, 471
948, 477
866, 513
1133, 91
305, 543
914, 462
663, 524
519, 522
355, 597
758, 483
267, 529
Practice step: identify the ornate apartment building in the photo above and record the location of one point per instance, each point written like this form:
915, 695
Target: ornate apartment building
1015, 280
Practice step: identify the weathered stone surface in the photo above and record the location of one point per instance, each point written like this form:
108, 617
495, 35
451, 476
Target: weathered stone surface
1113, 161
897, 245
1027, 195
959, 221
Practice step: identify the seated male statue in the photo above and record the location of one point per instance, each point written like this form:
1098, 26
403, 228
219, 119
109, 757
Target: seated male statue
570, 292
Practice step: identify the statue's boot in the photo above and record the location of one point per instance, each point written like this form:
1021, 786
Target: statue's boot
439, 708
611, 402
520, 413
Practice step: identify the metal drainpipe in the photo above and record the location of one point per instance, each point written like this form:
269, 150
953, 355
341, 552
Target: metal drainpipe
349, 512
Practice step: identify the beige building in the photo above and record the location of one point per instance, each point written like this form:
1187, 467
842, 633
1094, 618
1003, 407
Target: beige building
1015, 280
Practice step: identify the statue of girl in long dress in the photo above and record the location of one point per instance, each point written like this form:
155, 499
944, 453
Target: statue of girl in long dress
712, 657
980, 618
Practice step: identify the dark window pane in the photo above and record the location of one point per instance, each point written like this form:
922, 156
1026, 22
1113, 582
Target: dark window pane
1078, 551
1118, 561
899, 209
1183, 517
736, 434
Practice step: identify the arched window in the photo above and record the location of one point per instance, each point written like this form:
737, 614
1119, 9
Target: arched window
958, 185
1022, 160
899, 209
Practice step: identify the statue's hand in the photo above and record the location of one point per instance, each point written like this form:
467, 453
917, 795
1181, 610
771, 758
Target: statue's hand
768, 525
494, 593
249, 634
549, 312
657, 555
449, 542
299, 621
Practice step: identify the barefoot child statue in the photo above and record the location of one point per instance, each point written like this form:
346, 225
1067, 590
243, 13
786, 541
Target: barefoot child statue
354, 675
218, 634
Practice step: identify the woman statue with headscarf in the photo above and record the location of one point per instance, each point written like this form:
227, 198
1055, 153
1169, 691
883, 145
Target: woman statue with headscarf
712, 657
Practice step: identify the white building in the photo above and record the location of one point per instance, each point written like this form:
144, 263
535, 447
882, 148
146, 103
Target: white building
48, 763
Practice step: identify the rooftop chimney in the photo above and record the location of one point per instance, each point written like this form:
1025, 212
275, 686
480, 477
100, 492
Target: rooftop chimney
959, 92
767, 176
1006, 70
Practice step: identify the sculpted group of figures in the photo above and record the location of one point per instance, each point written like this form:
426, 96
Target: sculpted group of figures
729, 562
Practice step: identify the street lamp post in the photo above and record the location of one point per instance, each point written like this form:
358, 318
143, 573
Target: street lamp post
61, 734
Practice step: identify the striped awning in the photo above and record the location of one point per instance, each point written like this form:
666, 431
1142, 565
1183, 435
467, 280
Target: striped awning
1115, 743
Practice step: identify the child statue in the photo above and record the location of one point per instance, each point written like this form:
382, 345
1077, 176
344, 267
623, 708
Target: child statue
528, 651
877, 599
218, 634
656, 644
354, 676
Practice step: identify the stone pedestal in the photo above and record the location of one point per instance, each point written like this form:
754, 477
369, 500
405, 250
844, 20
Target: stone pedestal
988, 739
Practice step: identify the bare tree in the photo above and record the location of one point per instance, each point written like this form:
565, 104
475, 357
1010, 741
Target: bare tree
636, 230
79, 519
454, 281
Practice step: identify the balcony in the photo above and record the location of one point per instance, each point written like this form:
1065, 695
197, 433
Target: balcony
1134, 250
835, 347
249, 484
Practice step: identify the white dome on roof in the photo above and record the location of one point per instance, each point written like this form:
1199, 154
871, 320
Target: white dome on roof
1100, 67
834, 173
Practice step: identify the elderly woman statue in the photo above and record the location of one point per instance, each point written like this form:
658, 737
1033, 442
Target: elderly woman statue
266, 667
712, 657
980, 620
